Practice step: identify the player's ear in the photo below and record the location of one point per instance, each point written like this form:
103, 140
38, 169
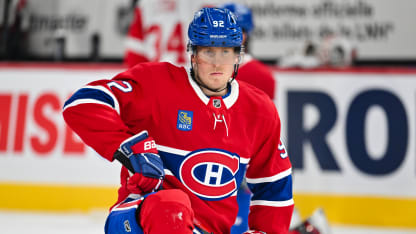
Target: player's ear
193, 59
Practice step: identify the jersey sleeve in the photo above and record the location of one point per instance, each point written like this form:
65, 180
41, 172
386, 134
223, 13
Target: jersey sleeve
258, 75
99, 112
269, 177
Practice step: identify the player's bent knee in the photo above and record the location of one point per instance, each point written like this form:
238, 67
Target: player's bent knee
167, 211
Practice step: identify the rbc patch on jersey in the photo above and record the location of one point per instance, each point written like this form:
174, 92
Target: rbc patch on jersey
185, 119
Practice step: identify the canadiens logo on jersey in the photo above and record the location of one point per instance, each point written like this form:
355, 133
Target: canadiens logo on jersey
210, 173
185, 119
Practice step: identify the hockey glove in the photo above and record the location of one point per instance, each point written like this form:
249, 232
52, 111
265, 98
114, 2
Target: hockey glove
139, 155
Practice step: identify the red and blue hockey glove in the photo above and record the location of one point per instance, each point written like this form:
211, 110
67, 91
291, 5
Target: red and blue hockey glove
139, 155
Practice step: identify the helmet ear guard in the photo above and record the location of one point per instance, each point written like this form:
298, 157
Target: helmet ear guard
240, 52
190, 48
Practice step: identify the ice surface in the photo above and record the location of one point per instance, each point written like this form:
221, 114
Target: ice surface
13, 222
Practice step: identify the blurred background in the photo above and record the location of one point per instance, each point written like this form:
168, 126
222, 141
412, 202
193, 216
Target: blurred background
345, 89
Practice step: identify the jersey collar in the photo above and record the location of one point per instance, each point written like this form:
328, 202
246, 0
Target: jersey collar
229, 99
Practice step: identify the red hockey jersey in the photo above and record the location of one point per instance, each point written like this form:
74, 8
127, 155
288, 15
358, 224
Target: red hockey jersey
258, 74
207, 144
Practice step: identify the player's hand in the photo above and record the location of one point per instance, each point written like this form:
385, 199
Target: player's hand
139, 155
140, 184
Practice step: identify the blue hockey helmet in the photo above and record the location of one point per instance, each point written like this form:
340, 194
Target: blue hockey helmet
215, 27
243, 14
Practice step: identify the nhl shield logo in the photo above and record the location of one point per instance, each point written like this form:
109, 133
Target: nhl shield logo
127, 227
185, 119
216, 103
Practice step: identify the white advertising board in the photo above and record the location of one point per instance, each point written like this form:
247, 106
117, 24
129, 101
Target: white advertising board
350, 133
36, 146
351, 141
379, 29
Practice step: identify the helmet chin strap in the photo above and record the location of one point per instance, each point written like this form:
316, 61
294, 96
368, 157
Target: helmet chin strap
201, 84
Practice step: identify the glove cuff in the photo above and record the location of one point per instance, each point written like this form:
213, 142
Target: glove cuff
139, 143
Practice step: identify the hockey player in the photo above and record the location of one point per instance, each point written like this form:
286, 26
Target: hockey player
195, 133
251, 70
257, 74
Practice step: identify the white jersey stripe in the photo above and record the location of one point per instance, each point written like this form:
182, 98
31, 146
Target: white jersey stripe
180, 152
244, 160
271, 178
92, 100
116, 105
272, 203
86, 101
171, 150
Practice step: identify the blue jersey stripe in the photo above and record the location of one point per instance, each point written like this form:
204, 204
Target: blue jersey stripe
88, 93
280, 190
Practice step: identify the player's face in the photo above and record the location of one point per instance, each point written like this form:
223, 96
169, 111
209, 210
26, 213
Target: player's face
214, 67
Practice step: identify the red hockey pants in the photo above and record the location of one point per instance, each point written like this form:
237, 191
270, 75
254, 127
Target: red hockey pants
167, 211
